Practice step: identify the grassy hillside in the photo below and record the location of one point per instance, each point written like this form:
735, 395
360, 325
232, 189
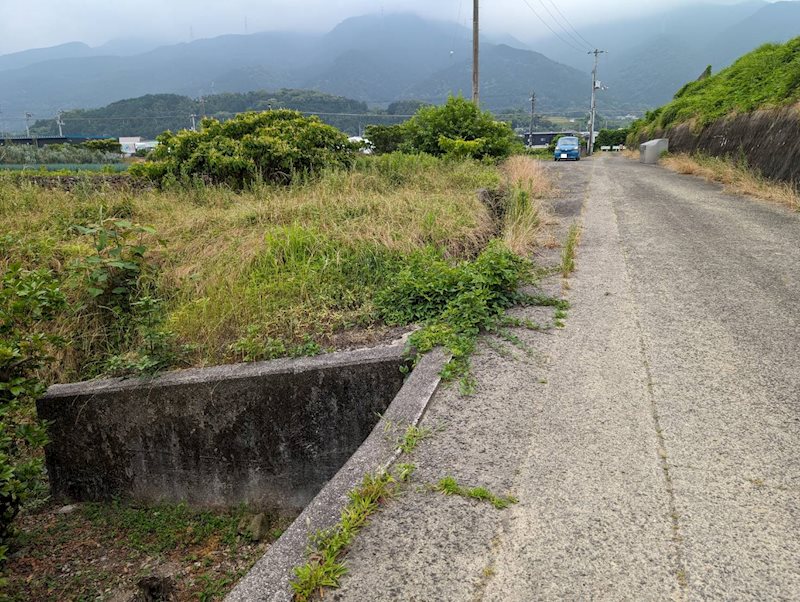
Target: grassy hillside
765, 78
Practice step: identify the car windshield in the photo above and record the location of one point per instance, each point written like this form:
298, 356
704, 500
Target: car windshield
569, 141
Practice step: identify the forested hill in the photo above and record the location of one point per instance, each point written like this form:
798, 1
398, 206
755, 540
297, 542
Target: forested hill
152, 114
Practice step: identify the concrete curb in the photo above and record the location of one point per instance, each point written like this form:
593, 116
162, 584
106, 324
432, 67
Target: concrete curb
269, 578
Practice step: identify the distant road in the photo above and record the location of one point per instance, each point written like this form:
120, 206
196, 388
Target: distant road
654, 443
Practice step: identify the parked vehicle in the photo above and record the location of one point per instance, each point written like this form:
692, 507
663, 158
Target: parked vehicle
568, 147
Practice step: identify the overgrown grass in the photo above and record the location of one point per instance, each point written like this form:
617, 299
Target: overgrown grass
525, 211
245, 275
734, 176
764, 78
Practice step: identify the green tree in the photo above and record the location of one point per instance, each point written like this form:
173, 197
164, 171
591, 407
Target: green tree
436, 130
385, 138
611, 137
106, 145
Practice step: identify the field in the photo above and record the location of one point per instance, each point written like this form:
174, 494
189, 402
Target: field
190, 276
272, 271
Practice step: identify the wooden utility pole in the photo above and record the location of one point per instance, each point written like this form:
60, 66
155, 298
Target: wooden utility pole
475, 50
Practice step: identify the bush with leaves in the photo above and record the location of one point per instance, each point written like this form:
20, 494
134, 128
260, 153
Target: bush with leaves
273, 146
117, 278
106, 145
454, 302
385, 138
27, 300
442, 130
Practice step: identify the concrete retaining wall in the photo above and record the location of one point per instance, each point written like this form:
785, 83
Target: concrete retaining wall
269, 434
767, 140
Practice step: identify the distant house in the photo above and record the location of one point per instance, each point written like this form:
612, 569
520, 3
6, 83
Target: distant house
542, 139
131, 144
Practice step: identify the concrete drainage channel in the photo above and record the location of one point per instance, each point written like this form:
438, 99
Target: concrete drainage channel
285, 435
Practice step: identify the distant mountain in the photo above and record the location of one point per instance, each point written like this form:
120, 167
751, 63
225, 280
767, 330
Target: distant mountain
18, 60
776, 22
508, 75
378, 59
648, 65
375, 59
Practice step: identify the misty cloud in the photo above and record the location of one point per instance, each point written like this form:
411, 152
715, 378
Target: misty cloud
39, 23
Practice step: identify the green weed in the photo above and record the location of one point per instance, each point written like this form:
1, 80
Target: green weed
568, 252
449, 486
411, 438
325, 567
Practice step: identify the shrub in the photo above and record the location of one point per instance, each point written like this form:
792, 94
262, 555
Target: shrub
27, 298
453, 302
611, 137
273, 146
106, 145
385, 138
437, 130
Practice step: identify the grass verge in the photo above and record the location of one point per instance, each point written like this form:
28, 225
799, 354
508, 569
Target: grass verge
734, 176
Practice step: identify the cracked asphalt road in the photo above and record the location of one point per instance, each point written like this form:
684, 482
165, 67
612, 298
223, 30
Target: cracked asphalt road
654, 443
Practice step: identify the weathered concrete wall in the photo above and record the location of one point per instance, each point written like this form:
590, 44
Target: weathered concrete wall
268, 434
768, 140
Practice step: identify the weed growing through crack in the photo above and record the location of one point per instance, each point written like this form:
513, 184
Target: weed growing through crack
405, 470
568, 252
324, 567
413, 435
449, 486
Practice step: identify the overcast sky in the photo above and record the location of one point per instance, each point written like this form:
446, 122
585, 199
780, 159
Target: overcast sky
36, 23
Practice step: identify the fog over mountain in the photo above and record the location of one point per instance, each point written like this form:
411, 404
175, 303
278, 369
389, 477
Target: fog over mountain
385, 56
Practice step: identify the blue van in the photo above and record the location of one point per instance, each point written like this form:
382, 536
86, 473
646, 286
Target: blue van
568, 147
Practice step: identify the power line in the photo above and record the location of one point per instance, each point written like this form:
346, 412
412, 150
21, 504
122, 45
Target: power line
554, 32
588, 43
558, 23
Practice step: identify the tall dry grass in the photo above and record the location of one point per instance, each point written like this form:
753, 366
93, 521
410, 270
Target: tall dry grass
288, 261
736, 178
529, 188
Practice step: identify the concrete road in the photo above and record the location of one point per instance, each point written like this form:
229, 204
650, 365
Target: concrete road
654, 443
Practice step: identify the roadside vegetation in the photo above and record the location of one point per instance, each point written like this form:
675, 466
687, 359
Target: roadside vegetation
735, 176
265, 236
766, 78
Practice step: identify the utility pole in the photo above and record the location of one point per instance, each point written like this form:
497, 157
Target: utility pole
475, 51
596, 54
60, 124
28, 124
530, 129
194, 122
